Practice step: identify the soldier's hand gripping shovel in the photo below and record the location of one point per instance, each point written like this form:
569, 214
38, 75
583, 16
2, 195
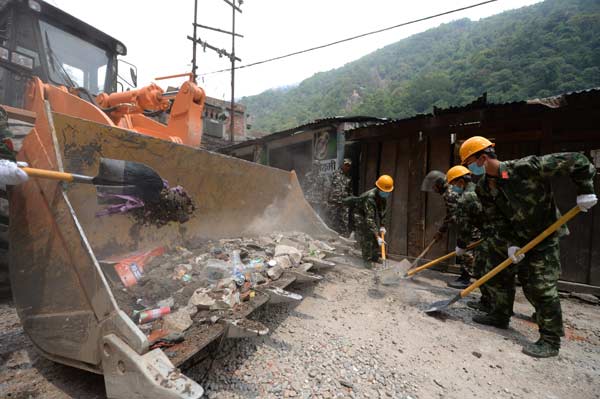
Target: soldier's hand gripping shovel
441, 305
115, 177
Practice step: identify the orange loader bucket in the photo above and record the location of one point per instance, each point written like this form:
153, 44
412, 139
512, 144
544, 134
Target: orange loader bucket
59, 245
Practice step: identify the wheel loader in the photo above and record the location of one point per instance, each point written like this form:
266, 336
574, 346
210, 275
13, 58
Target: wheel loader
61, 76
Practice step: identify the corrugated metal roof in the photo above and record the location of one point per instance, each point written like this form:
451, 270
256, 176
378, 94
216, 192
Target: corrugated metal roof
317, 123
566, 99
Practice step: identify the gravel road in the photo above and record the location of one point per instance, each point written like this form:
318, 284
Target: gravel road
351, 339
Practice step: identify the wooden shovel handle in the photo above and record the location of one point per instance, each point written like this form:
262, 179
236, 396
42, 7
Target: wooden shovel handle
383, 246
422, 254
543, 235
440, 259
48, 174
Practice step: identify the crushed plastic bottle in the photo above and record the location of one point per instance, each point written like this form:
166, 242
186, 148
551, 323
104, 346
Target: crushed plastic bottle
237, 268
236, 260
216, 269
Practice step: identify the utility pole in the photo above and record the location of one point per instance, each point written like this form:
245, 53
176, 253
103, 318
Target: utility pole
194, 66
232, 116
222, 52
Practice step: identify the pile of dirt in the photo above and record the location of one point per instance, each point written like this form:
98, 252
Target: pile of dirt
175, 205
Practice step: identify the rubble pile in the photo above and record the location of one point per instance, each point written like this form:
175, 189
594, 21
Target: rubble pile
211, 280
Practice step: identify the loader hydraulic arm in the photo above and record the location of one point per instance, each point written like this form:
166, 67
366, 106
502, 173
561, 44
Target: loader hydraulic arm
136, 101
126, 110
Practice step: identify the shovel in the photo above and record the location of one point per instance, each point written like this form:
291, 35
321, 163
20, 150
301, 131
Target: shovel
392, 275
422, 254
441, 305
383, 257
377, 276
414, 271
115, 177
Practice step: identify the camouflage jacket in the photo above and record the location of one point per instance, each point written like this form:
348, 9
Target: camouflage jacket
313, 187
341, 188
522, 195
371, 212
450, 200
470, 218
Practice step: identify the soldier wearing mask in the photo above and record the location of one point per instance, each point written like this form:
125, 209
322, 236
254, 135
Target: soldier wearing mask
370, 211
519, 194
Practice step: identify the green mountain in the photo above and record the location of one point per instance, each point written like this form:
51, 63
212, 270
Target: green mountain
536, 51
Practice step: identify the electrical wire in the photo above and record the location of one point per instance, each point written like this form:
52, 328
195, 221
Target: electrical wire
352, 37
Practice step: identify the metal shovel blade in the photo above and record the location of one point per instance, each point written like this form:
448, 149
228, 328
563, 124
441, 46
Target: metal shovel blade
441, 305
394, 274
108, 195
146, 183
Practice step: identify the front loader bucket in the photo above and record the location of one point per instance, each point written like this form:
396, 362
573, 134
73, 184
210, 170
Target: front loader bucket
58, 246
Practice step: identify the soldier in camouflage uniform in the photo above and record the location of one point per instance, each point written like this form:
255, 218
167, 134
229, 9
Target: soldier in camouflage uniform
370, 211
435, 181
340, 188
519, 193
471, 222
314, 189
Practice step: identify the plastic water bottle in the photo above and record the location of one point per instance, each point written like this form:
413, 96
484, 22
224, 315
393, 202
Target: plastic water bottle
238, 268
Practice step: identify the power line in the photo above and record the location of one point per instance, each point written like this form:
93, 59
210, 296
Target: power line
352, 37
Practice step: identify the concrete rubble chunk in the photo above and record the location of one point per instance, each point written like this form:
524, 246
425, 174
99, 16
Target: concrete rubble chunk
258, 278
305, 267
275, 272
294, 254
323, 246
283, 261
225, 298
319, 263
178, 321
201, 299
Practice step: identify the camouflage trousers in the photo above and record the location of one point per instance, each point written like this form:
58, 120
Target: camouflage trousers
368, 245
338, 218
467, 263
487, 255
538, 274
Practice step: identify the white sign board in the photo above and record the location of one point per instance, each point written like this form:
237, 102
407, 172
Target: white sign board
596, 158
327, 166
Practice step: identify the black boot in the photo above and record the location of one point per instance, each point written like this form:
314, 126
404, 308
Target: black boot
462, 282
480, 305
490, 320
542, 348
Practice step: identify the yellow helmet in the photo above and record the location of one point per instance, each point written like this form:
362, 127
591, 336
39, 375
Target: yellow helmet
385, 183
472, 146
455, 172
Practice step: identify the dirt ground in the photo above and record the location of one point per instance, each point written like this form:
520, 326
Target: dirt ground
351, 339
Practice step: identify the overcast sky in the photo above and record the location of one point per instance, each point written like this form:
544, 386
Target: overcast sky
155, 32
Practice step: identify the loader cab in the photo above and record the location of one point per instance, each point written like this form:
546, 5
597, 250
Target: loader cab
38, 39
